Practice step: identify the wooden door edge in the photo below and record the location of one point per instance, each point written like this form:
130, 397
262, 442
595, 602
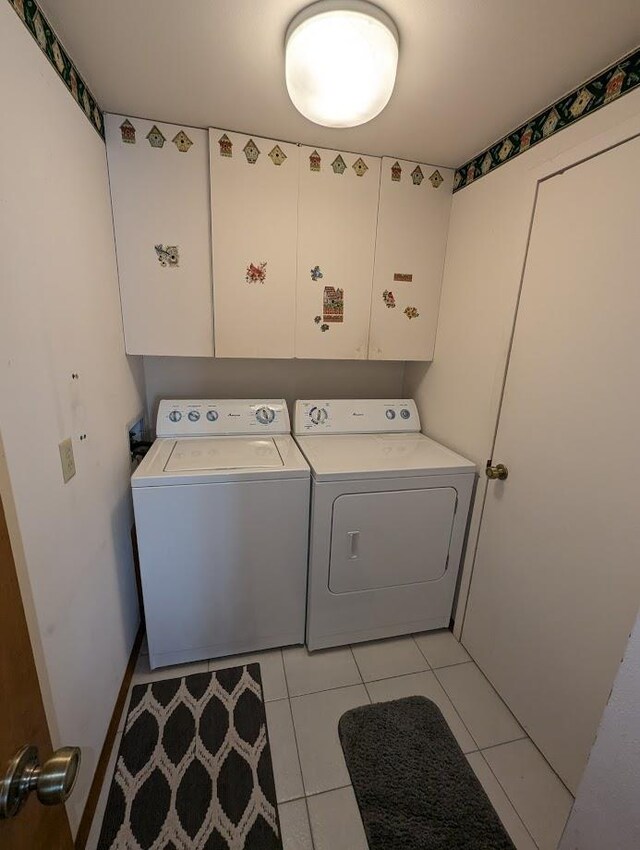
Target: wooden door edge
105, 754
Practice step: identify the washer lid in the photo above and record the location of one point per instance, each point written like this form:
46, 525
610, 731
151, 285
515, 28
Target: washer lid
352, 456
210, 453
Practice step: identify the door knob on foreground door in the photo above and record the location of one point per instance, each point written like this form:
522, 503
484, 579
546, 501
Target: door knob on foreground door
499, 471
53, 782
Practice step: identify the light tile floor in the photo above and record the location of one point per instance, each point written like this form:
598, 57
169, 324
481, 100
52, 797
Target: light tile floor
305, 695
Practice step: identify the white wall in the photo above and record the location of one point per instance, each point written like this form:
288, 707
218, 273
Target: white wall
60, 315
606, 811
201, 377
459, 394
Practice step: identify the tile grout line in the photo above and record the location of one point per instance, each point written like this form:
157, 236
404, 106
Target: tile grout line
455, 708
504, 790
523, 737
295, 739
362, 681
413, 638
524, 734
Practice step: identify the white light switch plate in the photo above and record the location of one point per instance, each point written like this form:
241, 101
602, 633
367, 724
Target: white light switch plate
67, 459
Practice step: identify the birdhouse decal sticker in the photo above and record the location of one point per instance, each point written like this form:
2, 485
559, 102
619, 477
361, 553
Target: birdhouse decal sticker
505, 149
525, 138
581, 102
182, 141
339, 166
277, 155
39, 28
389, 298
19, 7
360, 166
614, 86
256, 273
396, 172
436, 179
314, 161
168, 255
550, 123
417, 176
333, 304
226, 146
128, 132
411, 312
155, 137
251, 152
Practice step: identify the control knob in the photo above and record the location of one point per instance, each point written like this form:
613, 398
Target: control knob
175, 416
212, 415
265, 415
318, 415
391, 414
193, 416
405, 413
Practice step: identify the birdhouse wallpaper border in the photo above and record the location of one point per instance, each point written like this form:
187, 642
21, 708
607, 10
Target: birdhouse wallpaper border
36, 22
619, 78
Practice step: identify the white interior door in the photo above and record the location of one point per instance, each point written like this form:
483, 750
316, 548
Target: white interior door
556, 583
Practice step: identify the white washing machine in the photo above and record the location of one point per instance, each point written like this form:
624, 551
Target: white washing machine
221, 504
389, 511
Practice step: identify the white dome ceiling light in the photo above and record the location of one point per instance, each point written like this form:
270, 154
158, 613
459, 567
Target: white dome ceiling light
341, 62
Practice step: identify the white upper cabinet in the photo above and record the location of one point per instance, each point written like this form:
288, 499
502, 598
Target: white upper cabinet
160, 196
415, 201
254, 201
337, 213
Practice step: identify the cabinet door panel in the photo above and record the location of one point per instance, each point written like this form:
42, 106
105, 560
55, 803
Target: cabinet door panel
254, 198
338, 210
160, 198
410, 247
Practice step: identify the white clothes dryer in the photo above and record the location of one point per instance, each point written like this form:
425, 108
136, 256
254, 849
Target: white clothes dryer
389, 511
221, 504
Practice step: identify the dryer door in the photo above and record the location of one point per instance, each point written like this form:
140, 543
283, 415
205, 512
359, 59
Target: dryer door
390, 538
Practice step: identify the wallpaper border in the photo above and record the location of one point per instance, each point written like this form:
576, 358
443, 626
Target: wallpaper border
36, 22
619, 78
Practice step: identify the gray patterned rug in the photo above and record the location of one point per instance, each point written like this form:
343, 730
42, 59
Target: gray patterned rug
194, 768
414, 786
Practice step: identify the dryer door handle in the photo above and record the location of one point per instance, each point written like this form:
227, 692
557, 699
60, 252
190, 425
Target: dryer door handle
353, 538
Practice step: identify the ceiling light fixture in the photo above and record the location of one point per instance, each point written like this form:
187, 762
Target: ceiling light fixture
341, 62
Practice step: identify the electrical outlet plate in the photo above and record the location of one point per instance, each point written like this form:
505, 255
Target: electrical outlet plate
67, 460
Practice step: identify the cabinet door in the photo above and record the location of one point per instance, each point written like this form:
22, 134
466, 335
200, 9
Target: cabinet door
254, 200
160, 196
338, 210
415, 201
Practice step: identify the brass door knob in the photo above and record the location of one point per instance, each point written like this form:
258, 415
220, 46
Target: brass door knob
499, 471
53, 782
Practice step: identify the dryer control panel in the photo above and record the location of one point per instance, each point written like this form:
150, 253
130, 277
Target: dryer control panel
356, 416
210, 417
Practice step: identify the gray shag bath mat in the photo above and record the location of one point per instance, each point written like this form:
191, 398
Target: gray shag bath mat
194, 768
414, 786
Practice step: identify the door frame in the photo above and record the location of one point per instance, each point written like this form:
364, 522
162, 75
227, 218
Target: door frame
569, 159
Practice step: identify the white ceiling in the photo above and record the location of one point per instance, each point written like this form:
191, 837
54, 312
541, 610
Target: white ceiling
469, 72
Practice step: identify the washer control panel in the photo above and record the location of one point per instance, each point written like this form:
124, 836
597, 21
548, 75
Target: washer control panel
208, 417
356, 416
